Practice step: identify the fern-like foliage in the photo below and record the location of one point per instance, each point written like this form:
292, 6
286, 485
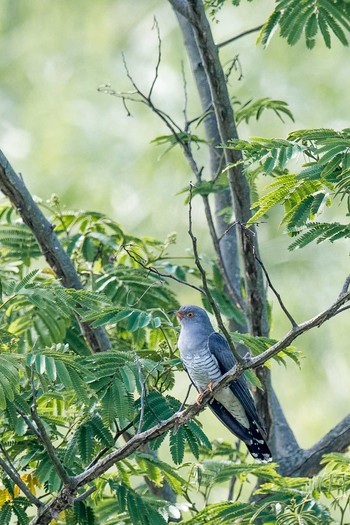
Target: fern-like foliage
18, 242
87, 402
255, 108
324, 179
257, 345
306, 17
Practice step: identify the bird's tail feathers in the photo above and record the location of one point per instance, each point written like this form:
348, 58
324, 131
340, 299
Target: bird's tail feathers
257, 445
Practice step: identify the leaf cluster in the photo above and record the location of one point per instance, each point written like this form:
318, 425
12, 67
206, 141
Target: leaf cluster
322, 181
308, 17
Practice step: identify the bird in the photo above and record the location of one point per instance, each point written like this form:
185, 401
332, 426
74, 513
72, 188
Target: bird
206, 357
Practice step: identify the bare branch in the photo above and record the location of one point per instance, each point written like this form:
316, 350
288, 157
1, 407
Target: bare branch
106, 449
45, 438
151, 269
248, 233
86, 494
13, 474
240, 35
178, 134
186, 397
28, 422
205, 282
14, 188
309, 463
156, 26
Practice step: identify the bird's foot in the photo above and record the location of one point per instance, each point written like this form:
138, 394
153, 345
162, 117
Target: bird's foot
211, 386
200, 396
203, 390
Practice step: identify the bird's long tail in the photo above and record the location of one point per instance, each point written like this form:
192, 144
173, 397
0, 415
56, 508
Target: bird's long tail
257, 445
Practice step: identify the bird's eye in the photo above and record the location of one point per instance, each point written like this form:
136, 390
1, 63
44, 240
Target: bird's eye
190, 314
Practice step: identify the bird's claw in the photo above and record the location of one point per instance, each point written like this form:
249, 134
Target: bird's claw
202, 392
199, 397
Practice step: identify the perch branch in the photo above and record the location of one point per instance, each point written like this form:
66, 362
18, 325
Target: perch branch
67, 495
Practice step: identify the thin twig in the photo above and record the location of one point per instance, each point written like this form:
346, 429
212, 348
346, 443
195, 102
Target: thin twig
246, 232
184, 111
106, 449
86, 494
341, 310
151, 269
186, 397
279, 298
155, 25
244, 33
45, 439
143, 392
205, 281
231, 488
27, 421
13, 474
235, 64
178, 133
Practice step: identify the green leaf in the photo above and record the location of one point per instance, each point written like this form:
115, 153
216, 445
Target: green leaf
177, 445
101, 432
85, 441
5, 513
268, 28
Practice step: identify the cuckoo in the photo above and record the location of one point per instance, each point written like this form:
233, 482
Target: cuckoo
206, 357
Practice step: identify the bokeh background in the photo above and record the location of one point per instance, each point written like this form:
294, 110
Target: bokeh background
67, 138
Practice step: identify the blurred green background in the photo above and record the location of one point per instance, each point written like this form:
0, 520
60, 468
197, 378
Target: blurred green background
65, 137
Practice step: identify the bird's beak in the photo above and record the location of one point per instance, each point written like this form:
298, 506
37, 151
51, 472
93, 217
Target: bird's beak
177, 313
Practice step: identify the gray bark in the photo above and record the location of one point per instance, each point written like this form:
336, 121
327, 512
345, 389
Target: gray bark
14, 188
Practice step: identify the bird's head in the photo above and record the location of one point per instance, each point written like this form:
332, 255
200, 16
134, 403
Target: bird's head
192, 316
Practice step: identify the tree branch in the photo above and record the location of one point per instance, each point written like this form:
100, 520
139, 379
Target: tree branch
178, 133
239, 186
336, 440
240, 35
44, 438
14, 476
340, 435
151, 269
205, 282
225, 246
14, 188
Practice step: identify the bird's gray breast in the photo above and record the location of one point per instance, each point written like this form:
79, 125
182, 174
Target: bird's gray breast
201, 366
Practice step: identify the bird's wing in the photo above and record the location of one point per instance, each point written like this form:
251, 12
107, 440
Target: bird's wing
219, 348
